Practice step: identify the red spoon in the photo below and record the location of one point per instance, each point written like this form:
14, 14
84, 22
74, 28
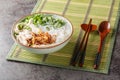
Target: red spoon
103, 30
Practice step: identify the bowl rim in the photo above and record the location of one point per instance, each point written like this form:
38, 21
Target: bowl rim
42, 47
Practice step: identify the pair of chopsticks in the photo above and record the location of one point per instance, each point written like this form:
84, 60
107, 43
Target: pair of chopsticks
79, 55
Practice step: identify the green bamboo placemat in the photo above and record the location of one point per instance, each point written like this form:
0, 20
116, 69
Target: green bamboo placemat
78, 12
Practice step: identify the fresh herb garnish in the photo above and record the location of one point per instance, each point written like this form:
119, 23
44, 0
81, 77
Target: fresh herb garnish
15, 34
27, 27
26, 19
23, 26
45, 19
20, 26
48, 28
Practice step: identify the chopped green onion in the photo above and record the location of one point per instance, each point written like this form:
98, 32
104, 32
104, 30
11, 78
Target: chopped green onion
15, 34
20, 26
28, 28
48, 28
44, 19
26, 19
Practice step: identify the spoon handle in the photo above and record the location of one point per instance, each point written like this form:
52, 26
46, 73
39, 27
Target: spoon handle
98, 55
97, 60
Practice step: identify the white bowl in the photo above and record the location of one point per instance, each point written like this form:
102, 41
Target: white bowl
48, 48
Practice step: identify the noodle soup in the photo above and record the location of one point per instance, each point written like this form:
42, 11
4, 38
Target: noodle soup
42, 30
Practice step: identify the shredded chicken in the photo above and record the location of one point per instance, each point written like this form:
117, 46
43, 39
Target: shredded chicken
41, 38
